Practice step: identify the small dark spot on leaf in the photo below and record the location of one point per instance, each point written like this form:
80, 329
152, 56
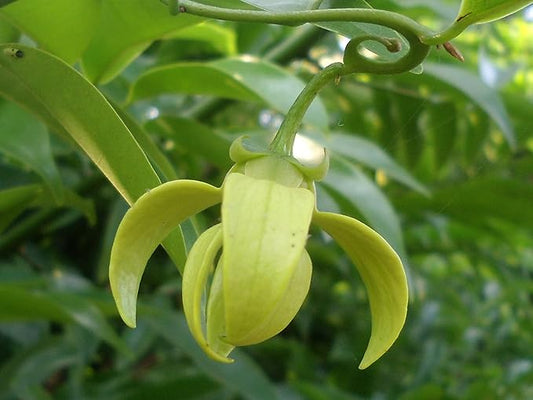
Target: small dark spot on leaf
463, 16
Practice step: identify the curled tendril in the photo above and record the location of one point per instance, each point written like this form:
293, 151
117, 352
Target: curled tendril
354, 60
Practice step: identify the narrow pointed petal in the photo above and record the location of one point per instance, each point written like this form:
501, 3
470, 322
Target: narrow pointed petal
216, 316
287, 307
150, 220
382, 273
198, 267
265, 227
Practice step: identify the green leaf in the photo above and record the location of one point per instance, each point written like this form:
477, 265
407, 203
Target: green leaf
15, 200
62, 27
21, 304
364, 151
347, 29
240, 79
356, 188
156, 156
35, 364
194, 137
243, 377
124, 32
472, 86
144, 227
26, 140
382, 273
71, 105
220, 38
479, 11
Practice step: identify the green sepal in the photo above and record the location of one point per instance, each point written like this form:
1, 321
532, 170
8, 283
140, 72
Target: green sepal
265, 227
480, 11
382, 273
146, 224
246, 148
198, 268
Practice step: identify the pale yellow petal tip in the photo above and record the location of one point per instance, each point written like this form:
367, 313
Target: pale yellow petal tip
216, 356
130, 319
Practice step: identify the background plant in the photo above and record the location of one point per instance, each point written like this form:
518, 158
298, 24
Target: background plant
439, 163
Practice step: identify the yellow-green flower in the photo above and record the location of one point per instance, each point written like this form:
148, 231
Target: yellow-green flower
254, 264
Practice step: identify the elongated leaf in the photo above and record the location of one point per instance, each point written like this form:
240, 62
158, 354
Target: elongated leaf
382, 273
62, 27
484, 96
20, 304
364, 151
219, 37
14, 201
126, 29
25, 139
478, 11
241, 79
356, 188
156, 156
347, 29
144, 227
195, 137
243, 377
66, 101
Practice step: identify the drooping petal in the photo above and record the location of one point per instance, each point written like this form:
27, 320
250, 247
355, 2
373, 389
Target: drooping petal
287, 307
198, 267
153, 216
382, 273
265, 227
216, 316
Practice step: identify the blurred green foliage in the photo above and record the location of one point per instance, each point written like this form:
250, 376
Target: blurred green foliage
439, 162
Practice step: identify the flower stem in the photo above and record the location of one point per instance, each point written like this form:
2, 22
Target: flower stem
284, 139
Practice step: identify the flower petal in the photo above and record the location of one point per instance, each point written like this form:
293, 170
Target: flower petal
198, 267
382, 273
153, 216
265, 227
216, 317
289, 305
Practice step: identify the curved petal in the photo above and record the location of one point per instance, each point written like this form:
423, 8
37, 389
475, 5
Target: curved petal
289, 305
198, 267
382, 273
265, 227
216, 317
153, 216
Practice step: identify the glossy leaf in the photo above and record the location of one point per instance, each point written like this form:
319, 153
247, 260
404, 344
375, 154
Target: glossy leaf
347, 29
443, 127
194, 137
144, 227
273, 220
62, 27
70, 105
124, 32
478, 11
26, 140
382, 273
240, 79
357, 189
